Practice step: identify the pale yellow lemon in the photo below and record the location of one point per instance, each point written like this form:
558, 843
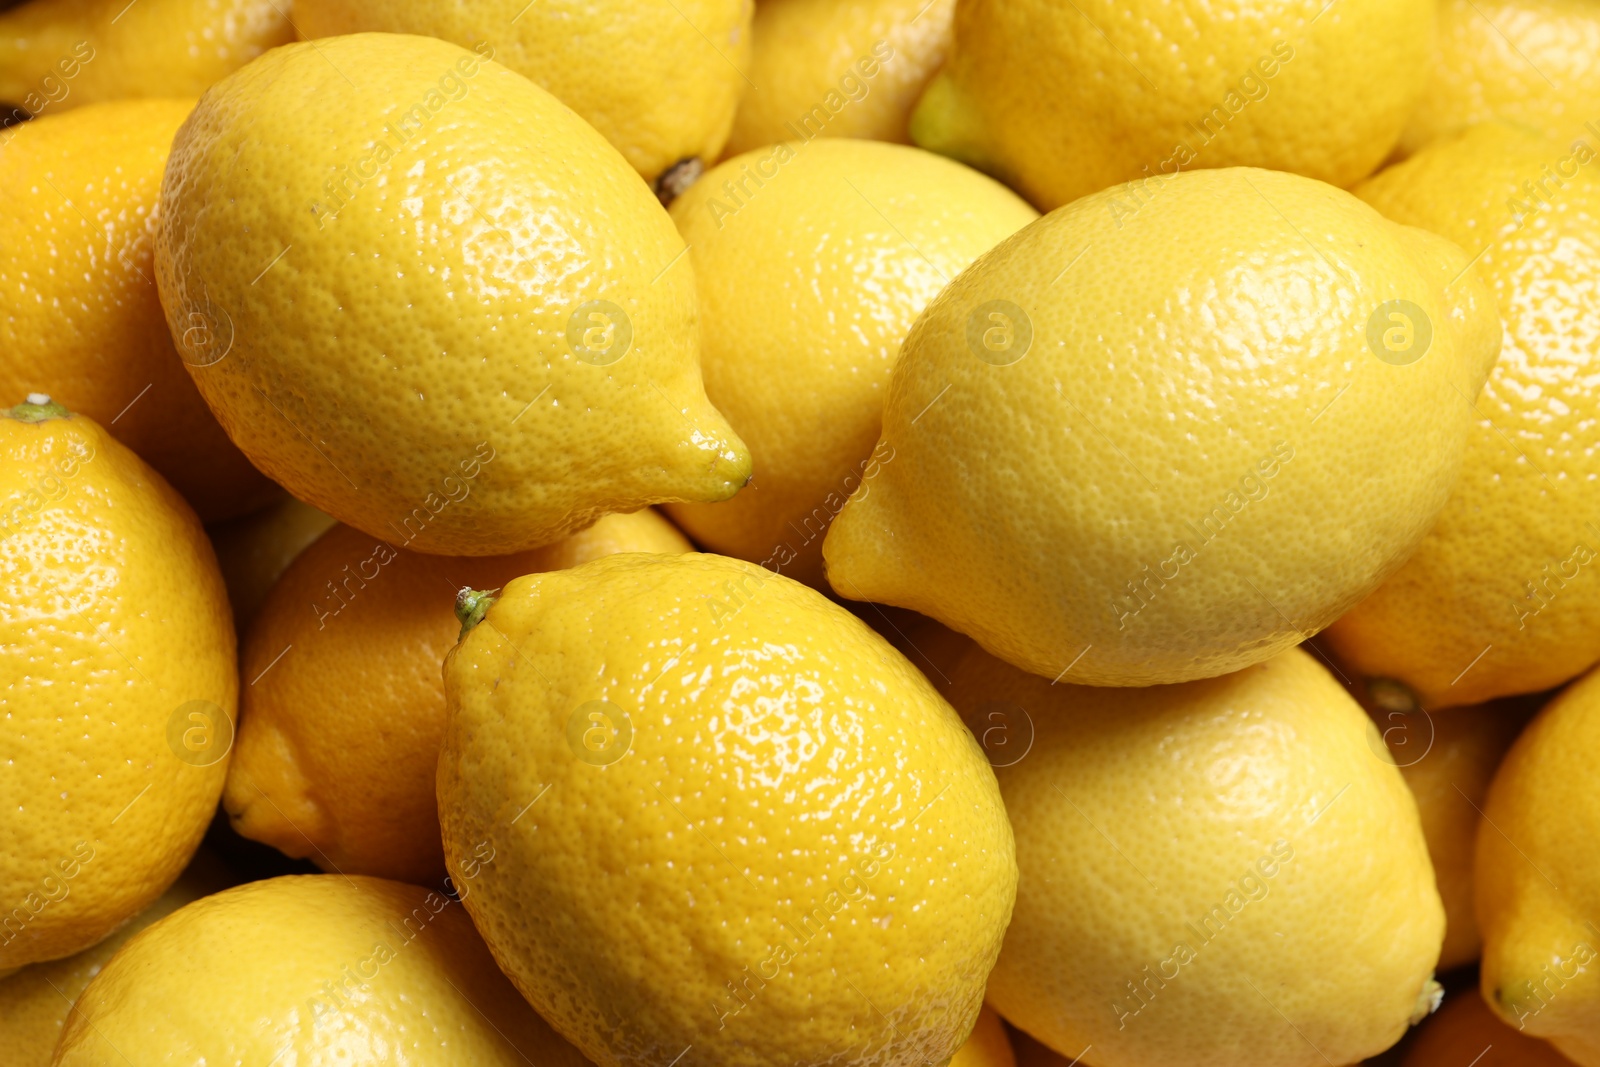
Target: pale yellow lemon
658, 78
1062, 100
839, 68
690, 802
341, 722
60, 54
118, 687
1527, 61
1538, 878
1144, 443
1210, 874
1465, 1033
309, 969
431, 301
1503, 597
83, 320
813, 260
254, 550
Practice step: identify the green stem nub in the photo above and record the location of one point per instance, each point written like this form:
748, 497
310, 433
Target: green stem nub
472, 605
37, 408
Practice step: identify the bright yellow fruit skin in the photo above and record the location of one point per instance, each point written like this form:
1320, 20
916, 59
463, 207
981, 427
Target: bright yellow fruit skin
826, 68
659, 79
59, 54
35, 1002
113, 619
1538, 878
775, 831
82, 319
989, 1046
340, 728
1528, 61
1155, 448
1501, 598
1465, 1033
1196, 859
410, 362
1062, 100
255, 550
309, 969
810, 279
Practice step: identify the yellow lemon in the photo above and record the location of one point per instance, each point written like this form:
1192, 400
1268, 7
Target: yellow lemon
1503, 596
1161, 446
341, 722
692, 804
58, 54
431, 301
83, 320
35, 1002
813, 260
659, 80
119, 684
1062, 100
1538, 878
1465, 1033
823, 68
1529, 61
1215, 873
309, 969
253, 551
988, 1046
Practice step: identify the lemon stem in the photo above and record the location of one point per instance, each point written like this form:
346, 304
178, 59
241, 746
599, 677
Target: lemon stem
472, 605
37, 408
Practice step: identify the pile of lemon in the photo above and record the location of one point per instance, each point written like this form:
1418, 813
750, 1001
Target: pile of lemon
616, 533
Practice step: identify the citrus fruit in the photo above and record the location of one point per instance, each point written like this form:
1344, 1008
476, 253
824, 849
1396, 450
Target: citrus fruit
1214, 873
819, 68
309, 969
118, 683
1538, 878
796, 351
1135, 446
1527, 61
254, 550
83, 320
661, 752
1497, 599
59, 54
988, 1046
343, 711
659, 81
432, 302
1064, 100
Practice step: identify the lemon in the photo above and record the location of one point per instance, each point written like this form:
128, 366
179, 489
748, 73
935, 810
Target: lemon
1538, 878
1064, 100
1159, 445
1448, 761
59, 54
309, 969
1501, 597
820, 68
1214, 873
1465, 1032
659, 80
432, 302
119, 683
797, 343
1528, 61
691, 804
988, 1046
253, 551
35, 1002
83, 320
341, 722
